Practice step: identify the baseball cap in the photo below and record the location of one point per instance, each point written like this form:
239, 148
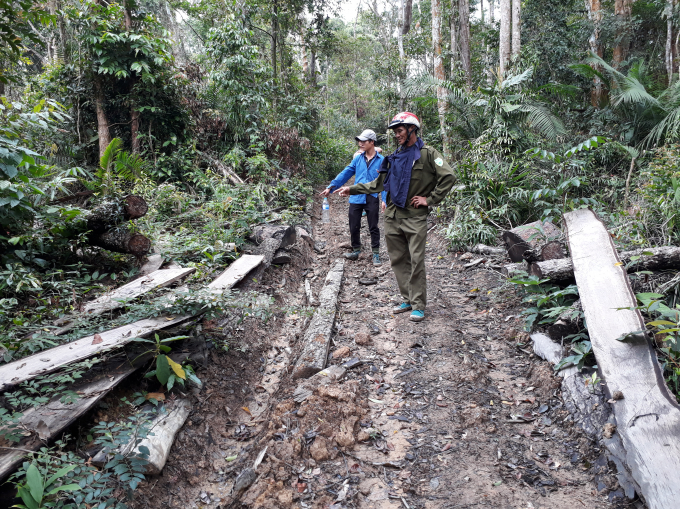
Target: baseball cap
366, 135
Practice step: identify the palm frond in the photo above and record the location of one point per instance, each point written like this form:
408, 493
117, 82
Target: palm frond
513, 81
426, 82
587, 71
543, 121
109, 154
666, 129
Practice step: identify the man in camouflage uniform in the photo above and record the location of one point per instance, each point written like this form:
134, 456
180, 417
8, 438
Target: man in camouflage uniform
415, 177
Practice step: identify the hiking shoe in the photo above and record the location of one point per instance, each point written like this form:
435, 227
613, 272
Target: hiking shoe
354, 255
417, 316
402, 308
376, 260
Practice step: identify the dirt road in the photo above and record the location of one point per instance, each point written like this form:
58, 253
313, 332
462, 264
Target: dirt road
452, 412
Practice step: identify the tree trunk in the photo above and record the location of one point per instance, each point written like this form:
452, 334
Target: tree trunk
455, 55
102, 120
622, 11
464, 19
534, 237
666, 257
595, 15
121, 240
516, 27
442, 106
112, 213
408, 13
312, 68
670, 16
491, 11
504, 46
274, 35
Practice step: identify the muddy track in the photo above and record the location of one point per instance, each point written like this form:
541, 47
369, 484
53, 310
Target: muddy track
450, 412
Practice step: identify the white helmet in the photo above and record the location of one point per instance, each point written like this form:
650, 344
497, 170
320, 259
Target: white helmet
404, 118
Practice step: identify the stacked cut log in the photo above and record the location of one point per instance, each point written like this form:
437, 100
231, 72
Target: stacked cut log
537, 241
272, 240
107, 229
658, 258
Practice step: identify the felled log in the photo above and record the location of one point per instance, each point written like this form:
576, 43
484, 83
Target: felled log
111, 213
514, 269
648, 415
269, 239
665, 257
222, 168
488, 250
318, 334
567, 323
121, 240
555, 270
541, 239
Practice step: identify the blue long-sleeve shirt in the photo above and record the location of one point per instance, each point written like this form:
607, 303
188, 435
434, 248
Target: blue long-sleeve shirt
362, 174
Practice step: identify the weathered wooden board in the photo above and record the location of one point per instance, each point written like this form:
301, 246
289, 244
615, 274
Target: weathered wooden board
647, 418
140, 286
54, 358
318, 334
50, 419
236, 272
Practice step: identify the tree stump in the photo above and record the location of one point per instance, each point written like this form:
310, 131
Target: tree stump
541, 239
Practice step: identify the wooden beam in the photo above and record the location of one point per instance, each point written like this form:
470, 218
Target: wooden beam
49, 420
236, 272
648, 417
318, 335
54, 358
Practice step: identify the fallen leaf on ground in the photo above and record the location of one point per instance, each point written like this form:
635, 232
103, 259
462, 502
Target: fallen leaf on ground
97, 339
247, 410
158, 396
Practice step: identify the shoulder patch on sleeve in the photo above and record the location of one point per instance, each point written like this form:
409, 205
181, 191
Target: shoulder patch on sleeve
439, 161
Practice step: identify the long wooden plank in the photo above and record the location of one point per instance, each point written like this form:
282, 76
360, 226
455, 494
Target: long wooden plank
318, 334
236, 272
54, 358
50, 419
132, 290
647, 418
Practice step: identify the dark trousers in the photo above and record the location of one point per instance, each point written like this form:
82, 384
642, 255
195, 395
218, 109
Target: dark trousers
372, 208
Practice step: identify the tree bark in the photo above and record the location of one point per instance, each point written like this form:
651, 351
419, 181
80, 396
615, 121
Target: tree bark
622, 11
408, 13
504, 46
666, 257
534, 236
516, 27
274, 36
455, 55
594, 9
491, 11
312, 68
442, 105
102, 119
121, 240
464, 29
669, 60
111, 213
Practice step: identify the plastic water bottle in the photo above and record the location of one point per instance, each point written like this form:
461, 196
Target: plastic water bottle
326, 211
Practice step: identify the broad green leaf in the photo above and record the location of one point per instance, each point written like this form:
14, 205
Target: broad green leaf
66, 487
60, 473
656, 323
28, 500
34, 481
162, 369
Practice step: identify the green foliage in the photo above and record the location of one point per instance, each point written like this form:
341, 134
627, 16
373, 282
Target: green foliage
116, 168
546, 301
36, 491
582, 352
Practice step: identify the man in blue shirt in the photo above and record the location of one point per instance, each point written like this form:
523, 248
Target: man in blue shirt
364, 168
